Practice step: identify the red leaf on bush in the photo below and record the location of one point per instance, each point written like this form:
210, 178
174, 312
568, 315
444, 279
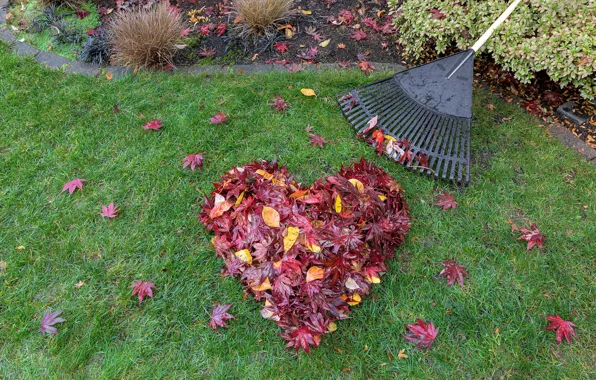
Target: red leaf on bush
359, 35
532, 107
370, 22
553, 98
531, 235
453, 272
103, 11
446, 201
142, 289
49, 320
366, 67
219, 118
109, 211
221, 29
193, 160
317, 140
436, 14
81, 13
184, 32
423, 333
205, 30
71, 186
219, 316
154, 125
207, 52
279, 103
282, 47
564, 328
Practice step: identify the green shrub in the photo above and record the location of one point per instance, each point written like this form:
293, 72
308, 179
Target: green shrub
556, 36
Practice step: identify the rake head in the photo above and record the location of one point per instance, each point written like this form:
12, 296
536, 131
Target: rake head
425, 111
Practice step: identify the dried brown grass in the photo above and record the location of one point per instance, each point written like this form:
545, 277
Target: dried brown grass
73, 4
145, 37
262, 16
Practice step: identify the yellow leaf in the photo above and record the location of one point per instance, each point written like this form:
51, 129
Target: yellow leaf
79, 284
373, 279
382, 197
308, 92
289, 33
244, 256
355, 299
240, 198
2, 266
265, 285
338, 204
332, 326
357, 184
314, 273
277, 264
264, 174
306, 13
20, 247
270, 216
290, 238
325, 43
401, 355
313, 247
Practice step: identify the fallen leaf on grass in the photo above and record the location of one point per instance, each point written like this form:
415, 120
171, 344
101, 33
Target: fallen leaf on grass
308, 92
49, 320
219, 118
109, 211
219, 316
154, 125
279, 103
446, 201
402, 355
71, 186
423, 333
564, 328
142, 289
2, 266
531, 235
79, 284
317, 140
109, 76
193, 161
453, 272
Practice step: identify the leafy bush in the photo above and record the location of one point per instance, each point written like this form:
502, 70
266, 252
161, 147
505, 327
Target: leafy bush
556, 36
310, 253
262, 16
97, 48
145, 37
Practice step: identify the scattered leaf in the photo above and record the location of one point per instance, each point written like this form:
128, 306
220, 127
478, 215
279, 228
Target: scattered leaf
453, 272
219, 118
48, 320
446, 201
308, 92
71, 186
142, 289
193, 161
279, 103
564, 328
402, 355
154, 125
325, 43
109, 211
531, 235
422, 333
219, 316
317, 140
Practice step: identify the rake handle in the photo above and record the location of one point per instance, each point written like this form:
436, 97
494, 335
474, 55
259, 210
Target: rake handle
482, 40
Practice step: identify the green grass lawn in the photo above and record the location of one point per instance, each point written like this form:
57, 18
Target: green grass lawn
55, 127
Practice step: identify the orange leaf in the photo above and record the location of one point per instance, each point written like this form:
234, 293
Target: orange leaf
244, 256
270, 216
314, 273
265, 285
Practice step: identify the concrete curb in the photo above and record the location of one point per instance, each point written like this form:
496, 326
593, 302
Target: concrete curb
567, 138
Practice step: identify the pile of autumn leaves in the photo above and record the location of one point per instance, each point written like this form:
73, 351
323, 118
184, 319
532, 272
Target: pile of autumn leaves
309, 253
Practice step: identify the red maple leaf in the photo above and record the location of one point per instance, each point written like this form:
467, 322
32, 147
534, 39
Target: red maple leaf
221, 29
193, 160
154, 125
184, 32
302, 338
81, 13
219, 118
446, 201
205, 30
564, 328
359, 35
142, 289
71, 186
366, 67
422, 160
206, 52
346, 16
378, 137
531, 235
279, 103
294, 68
282, 47
109, 211
309, 54
317, 140
437, 14
219, 316
423, 333
453, 272
49, 320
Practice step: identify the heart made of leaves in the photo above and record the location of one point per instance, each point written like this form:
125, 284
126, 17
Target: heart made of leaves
309, 252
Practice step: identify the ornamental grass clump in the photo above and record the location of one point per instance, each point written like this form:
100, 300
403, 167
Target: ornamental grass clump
146, 37
262, 16
309, 252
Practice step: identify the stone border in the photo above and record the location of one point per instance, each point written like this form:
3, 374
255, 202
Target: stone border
57, 62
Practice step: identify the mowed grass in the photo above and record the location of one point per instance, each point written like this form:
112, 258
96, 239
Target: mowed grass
56, 127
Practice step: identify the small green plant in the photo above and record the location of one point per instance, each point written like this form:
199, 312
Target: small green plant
558, 37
